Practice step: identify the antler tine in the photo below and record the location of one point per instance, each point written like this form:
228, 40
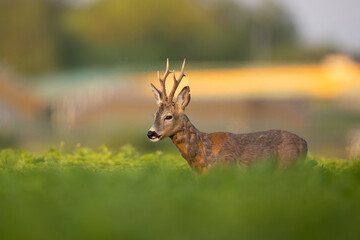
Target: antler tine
163, 79
177, 81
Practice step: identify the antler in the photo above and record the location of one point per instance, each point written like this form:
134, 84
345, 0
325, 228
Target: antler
176, 81
163, 79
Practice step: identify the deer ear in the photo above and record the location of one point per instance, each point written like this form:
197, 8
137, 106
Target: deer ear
183, 98
157, 94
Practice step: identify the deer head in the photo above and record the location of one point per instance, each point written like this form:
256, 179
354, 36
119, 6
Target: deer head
168, 118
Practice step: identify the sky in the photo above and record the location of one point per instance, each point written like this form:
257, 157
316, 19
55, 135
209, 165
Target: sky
333, 21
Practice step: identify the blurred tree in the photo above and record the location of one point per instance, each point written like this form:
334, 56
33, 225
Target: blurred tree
201, 29
28, 35
135, 29
271, 30
234, 19
45, 35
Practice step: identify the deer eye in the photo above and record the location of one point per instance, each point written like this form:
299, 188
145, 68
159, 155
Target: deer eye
169, 117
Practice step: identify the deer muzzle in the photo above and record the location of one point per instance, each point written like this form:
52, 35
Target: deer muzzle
153, 136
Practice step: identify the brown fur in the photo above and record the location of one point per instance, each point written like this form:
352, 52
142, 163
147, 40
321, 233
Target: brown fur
203, 150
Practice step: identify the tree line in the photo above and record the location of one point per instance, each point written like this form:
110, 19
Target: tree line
38, 36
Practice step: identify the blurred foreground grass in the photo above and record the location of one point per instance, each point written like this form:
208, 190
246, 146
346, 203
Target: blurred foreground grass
127, 195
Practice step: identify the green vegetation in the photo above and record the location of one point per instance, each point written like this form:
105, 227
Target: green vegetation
56, 35
126, 195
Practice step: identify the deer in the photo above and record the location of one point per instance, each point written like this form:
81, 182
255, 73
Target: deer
202, 150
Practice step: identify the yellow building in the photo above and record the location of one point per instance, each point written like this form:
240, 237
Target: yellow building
336, 76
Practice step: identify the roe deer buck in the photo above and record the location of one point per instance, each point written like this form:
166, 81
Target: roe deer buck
202, 150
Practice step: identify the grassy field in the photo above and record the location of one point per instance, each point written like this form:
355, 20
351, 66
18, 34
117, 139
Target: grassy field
101, 194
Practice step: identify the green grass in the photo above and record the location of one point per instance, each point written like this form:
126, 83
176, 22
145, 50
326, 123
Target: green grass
126, 195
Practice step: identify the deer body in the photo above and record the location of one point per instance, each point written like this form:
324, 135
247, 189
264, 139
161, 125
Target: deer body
203, 150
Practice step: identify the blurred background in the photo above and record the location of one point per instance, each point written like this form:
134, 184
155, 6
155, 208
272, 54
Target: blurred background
78, 71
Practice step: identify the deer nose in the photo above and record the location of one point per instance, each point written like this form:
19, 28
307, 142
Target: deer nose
151, 134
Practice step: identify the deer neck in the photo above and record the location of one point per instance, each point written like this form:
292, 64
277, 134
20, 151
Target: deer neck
189, 141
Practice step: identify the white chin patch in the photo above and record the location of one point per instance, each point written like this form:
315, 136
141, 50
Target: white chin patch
154, 139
